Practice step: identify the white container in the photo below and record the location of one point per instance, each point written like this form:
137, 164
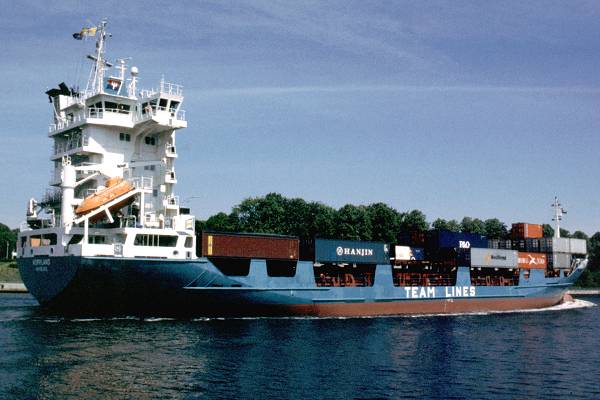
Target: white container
496, 258
561, 260
578, 246
561, 245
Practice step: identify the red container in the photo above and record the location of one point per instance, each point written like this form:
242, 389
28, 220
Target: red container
533, 260
522, 230
267, 247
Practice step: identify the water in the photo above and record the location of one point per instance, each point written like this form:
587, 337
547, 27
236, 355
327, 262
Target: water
548, 354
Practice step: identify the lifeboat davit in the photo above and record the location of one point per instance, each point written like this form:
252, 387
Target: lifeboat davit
115, 187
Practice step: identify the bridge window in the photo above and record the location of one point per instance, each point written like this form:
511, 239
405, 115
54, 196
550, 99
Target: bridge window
123, 108
155, 240
48, 239
173, 106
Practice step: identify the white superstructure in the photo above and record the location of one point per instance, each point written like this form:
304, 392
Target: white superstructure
112, 130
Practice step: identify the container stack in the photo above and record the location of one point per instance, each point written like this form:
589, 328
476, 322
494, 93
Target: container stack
525, 238
439, 246
535, 251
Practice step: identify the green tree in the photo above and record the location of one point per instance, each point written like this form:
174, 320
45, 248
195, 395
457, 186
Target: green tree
594, 253
261, 214
413, 220
8, 241
548, 231
564, 233
579, 235
321, 221
472, 225
385, 222
440, 224
353, 223
221, 222
495, 229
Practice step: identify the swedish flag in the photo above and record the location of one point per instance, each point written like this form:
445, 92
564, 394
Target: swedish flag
85, 32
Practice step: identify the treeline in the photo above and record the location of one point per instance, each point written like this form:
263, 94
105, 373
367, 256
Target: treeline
8, 241
276, 214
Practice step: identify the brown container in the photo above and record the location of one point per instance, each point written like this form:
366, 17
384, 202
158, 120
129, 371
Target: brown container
533, 260
249, 246
522, 230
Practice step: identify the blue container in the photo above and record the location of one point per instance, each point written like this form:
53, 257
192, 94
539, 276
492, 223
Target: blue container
457, 240
418, 253
351, 251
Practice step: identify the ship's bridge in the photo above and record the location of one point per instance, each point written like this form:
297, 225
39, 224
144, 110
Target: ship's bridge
162, 106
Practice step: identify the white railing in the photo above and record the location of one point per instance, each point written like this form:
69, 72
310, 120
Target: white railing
141, 182
65, 123
171, 88
165, 87
151, 111
99, 113
75, 142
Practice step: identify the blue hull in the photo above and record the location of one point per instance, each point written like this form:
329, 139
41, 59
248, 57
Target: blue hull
197, 287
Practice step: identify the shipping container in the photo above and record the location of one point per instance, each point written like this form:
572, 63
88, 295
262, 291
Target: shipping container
494, 258
561, 245
249, 246
519, 244
533, 260
522, 230
351, 251
559, 260
578, 246
412, 238
499, 244
532, 245
404, 253
457, 240
545, 245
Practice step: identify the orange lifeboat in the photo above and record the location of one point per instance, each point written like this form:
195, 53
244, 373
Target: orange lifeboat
115, 187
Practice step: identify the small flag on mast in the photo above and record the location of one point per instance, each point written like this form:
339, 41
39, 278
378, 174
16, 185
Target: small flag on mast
85, 32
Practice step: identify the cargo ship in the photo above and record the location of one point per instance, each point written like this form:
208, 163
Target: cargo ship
110, 235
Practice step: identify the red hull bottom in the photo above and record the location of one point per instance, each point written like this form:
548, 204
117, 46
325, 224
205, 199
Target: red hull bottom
450, 306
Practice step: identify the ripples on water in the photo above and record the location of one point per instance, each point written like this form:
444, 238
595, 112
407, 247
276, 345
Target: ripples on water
527, 354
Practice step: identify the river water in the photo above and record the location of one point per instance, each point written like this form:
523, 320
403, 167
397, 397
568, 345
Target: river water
539, 354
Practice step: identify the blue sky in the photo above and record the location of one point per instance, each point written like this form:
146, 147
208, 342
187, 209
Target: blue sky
484, 109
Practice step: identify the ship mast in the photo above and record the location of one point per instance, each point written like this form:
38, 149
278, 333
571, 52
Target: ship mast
95, 81
558, 214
